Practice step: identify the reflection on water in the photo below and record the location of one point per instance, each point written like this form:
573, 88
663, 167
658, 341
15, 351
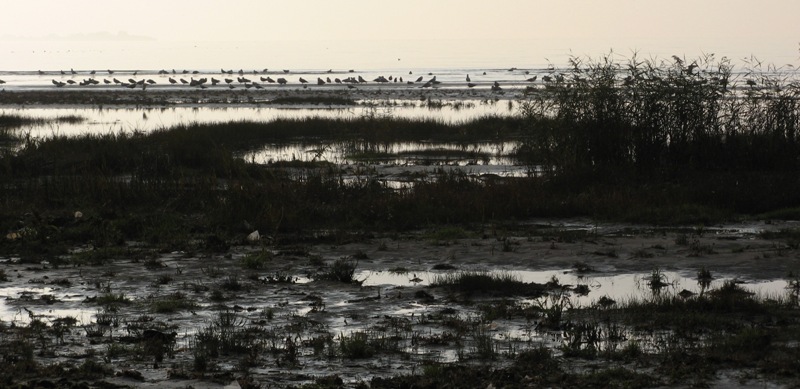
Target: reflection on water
109, 120
619, 287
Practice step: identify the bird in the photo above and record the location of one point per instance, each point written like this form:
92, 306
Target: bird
361, 79
282, 81
73, 71
105, 80
172, 81
2, 82
270, 80
470, 85
419, 79
110, 71
320, 81
468, 80
532, 79
303, 80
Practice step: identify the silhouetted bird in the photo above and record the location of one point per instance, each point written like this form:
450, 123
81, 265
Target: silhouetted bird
468, 80
172, 81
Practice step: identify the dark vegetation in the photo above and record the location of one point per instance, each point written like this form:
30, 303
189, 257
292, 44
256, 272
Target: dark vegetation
676, 143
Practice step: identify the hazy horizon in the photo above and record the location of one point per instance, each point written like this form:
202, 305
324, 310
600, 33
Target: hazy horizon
535, 31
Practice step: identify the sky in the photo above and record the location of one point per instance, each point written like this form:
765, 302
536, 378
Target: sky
585, 26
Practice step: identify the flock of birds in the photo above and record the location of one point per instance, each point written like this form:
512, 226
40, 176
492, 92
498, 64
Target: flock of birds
226, 80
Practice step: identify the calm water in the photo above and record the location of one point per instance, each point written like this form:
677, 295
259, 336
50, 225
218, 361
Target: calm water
99, 121
450, 60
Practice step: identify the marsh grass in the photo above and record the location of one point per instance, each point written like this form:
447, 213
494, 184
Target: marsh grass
680, 141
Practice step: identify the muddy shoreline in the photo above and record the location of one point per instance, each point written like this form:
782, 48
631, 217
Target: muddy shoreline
269, 293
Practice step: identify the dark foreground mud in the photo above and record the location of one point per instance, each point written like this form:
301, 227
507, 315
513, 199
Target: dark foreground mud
438, 308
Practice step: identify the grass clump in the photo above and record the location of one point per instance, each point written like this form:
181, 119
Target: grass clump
496, 283
257, 261
172, 304
341, 270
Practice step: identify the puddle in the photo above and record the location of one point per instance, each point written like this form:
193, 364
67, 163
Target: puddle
619, 287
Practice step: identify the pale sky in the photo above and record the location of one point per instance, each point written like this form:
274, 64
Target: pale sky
587, 25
